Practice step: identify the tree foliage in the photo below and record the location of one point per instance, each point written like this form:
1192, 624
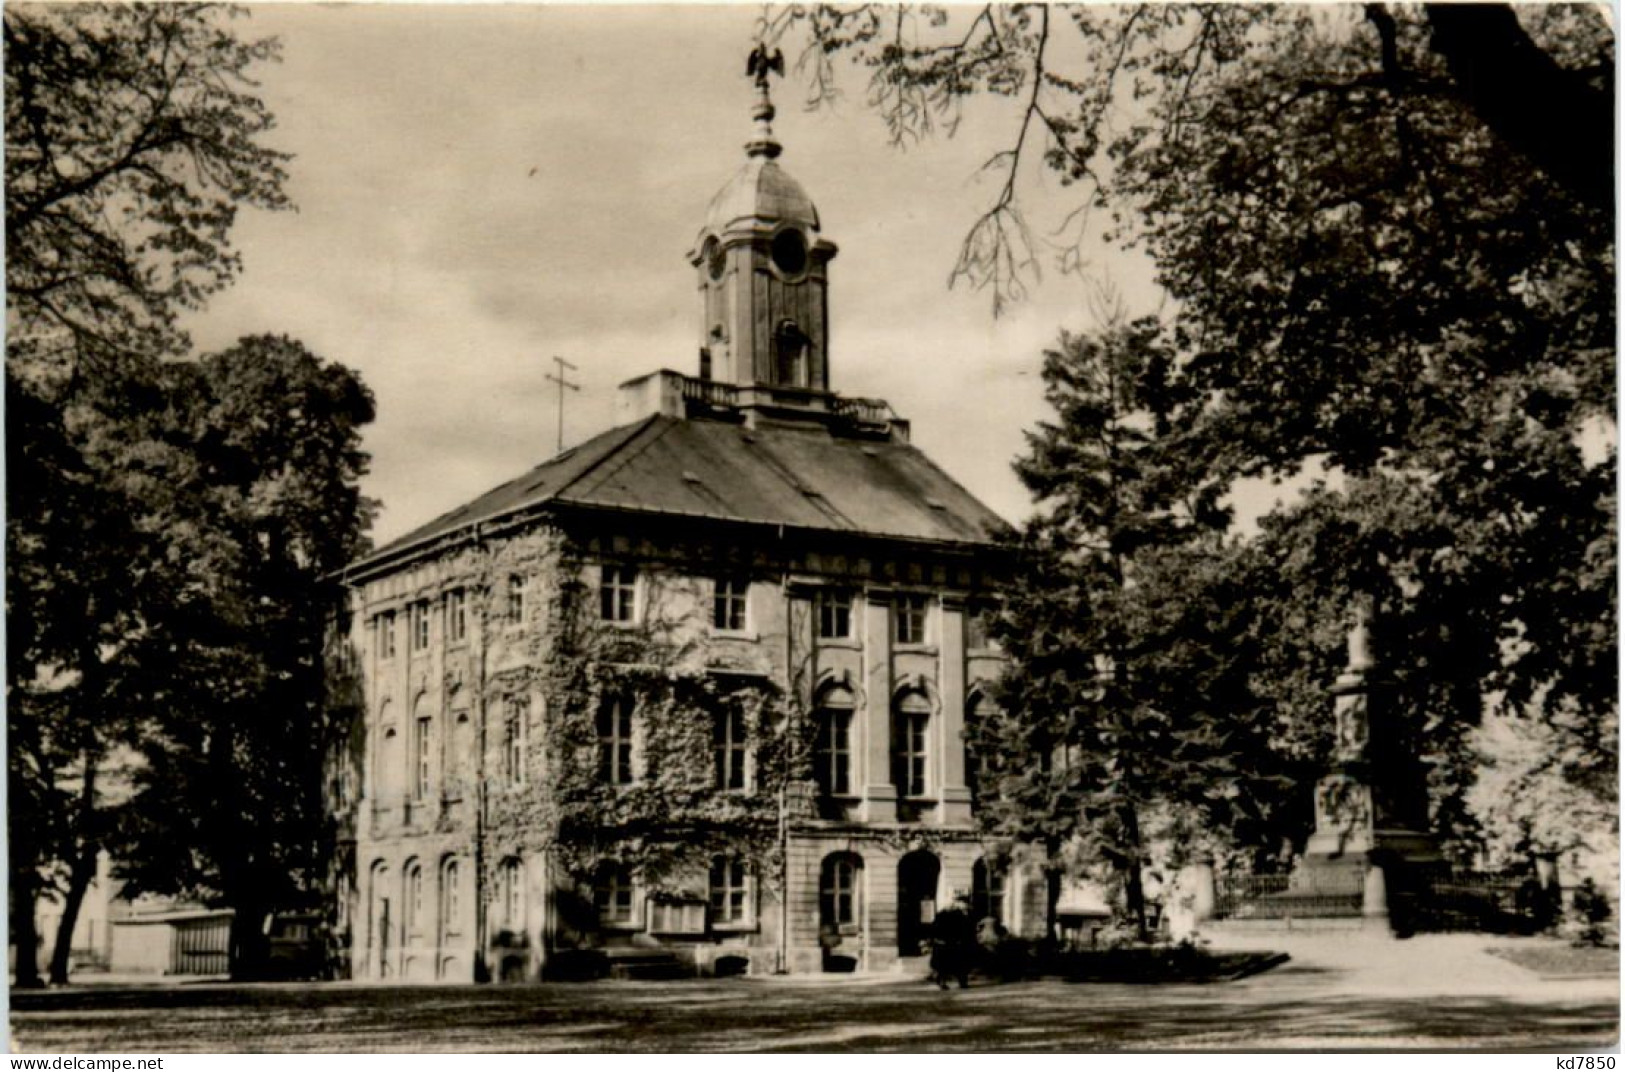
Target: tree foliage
1094, 737
251, 475
1387, 237
133, 138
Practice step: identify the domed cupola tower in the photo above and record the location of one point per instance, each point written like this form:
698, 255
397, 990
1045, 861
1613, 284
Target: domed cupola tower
763, 268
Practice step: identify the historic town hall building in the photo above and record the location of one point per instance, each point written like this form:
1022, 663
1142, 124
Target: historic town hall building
694, 689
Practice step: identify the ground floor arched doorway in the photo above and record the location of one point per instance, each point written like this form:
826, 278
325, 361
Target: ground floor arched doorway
917, 877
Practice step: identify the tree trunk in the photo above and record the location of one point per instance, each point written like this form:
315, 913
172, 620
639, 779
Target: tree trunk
79, 879
25, 890
1134, 879
1553, 116
249, 946
1052, 905
80, 876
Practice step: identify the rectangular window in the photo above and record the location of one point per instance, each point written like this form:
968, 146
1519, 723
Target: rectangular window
995, 894
730, 900
912, 736
456, 617
612, 896
422, 750
511, 891
617, 594
834, 754
728, 604
908, 619
677, 917
386, 635
729, 747
513, 742
839, 900
420, 626
834, 615
615, 741
516, 599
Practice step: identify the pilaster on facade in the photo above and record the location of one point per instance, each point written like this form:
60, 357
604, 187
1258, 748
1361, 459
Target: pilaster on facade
879, 794
954, 795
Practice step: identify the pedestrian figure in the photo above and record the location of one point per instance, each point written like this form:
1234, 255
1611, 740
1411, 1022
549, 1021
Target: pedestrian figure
953, 941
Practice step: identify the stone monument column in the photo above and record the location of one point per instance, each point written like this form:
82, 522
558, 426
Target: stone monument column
1371, 805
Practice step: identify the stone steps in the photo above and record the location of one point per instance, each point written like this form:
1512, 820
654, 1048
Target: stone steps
647, 964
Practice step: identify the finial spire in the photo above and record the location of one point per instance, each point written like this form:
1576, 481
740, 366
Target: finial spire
760, 65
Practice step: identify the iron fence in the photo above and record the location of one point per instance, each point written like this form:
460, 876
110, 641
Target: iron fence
1261, 897
1419, 898
1442, 898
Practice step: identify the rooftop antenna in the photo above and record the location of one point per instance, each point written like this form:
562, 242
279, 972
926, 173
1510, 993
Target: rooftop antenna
561, 378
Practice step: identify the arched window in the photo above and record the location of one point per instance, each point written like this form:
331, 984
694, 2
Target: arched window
978, 711
422, 749
911, 730
612, 895
511, 895
832, 758
412, 897
379, 921
451, 898
987, 891
790, 349
840, 901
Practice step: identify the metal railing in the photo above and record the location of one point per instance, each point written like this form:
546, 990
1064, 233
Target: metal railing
1442, 898
1278, 897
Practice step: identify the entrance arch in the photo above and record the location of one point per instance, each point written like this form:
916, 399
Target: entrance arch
917, 878
379, 921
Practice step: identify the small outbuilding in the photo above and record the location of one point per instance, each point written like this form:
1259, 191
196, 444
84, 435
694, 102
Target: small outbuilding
186, 942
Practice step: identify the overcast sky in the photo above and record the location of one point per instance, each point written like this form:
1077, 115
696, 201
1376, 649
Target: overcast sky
481, 188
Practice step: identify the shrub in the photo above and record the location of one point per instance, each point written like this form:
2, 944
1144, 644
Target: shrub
1592, 910
577, 965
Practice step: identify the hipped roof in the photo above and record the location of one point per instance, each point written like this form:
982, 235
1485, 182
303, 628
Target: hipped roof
804, 478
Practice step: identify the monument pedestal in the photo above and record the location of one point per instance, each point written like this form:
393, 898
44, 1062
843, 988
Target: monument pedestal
1371, 807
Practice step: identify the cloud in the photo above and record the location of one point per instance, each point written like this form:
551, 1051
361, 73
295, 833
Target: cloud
483, 187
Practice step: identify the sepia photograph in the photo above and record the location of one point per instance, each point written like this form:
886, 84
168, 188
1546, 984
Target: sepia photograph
668, 528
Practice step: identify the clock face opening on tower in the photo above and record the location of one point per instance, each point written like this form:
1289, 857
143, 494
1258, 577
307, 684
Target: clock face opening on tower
715, 262
790, 252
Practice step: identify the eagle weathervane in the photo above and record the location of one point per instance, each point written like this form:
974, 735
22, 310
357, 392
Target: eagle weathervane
759, 66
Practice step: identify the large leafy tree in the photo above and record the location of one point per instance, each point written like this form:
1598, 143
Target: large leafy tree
1386, 266
133, 137
254, 473
1099, 735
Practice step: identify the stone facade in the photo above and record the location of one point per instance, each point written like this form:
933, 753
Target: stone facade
441, 648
